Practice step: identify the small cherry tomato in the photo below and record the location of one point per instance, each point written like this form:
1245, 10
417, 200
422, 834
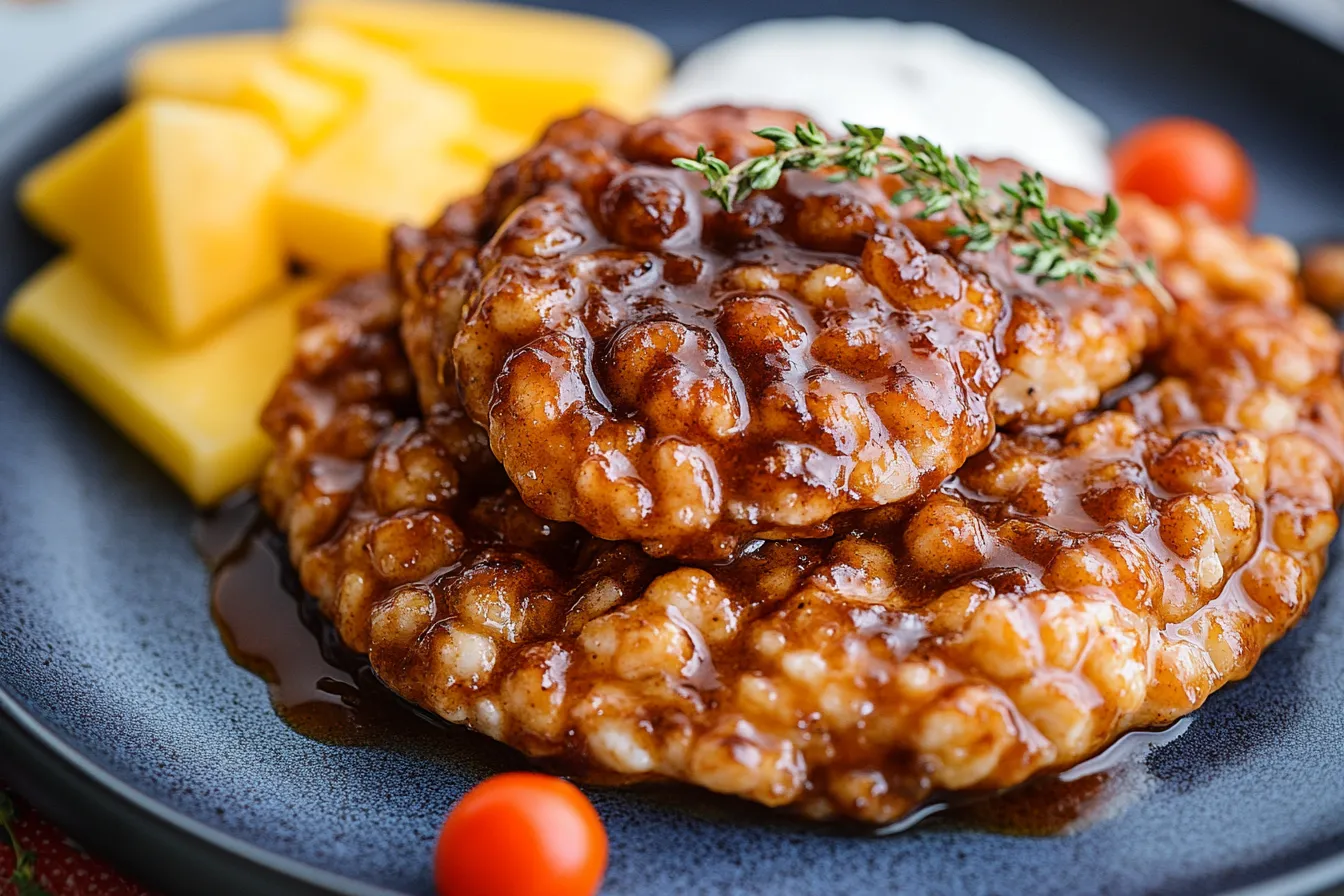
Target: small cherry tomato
1174, 161
521, 834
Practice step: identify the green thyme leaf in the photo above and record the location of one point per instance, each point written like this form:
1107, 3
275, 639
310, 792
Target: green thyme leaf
23, 879
1053, 243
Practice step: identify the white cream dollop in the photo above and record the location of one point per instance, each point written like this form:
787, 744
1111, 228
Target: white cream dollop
911, 78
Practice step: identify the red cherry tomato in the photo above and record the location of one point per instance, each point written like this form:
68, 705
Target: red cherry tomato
1174, 161
521, 834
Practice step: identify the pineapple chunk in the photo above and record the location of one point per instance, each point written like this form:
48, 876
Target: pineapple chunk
194, 410
245, 71
492, 146
206, 69
354, 64
302, 108
525, 67
400, 158
174, 204
527, 104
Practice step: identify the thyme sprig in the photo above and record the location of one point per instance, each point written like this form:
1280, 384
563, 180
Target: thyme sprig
24, 876
1053, 243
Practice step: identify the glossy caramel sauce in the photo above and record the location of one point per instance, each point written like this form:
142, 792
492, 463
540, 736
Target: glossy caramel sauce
328, 693
714, 376
663, 370
1064, 803
318, 687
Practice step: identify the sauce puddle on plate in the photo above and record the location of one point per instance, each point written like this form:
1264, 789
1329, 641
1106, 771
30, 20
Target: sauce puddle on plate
1063, 803
318, 687
327, 692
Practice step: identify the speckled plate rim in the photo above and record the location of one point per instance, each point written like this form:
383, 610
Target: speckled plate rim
159, 845
80, 796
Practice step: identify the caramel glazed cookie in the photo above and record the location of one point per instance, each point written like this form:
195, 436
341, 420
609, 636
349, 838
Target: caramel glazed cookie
1061, 588
660, 370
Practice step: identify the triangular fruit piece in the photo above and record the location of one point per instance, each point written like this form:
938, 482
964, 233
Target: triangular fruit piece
174, 204
403, 154
194, 409
208, 69
525, 66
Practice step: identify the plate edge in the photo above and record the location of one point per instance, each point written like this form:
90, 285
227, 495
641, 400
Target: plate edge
68, 776
175, 853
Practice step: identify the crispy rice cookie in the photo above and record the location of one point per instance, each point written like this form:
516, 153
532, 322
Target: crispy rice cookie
1063, 344
1058, 591
659, 370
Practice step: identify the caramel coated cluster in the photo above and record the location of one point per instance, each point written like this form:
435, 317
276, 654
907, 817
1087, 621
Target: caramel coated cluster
1103, 569
660, 370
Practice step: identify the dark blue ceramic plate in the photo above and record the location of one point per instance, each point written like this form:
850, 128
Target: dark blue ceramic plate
122, 716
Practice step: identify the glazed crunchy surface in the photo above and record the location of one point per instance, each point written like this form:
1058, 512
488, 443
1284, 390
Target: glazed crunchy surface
661, 370
1067, 583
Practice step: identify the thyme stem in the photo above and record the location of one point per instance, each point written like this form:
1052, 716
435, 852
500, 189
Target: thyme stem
23, 878
1052, 243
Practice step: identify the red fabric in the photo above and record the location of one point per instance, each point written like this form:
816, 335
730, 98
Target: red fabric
59, 866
